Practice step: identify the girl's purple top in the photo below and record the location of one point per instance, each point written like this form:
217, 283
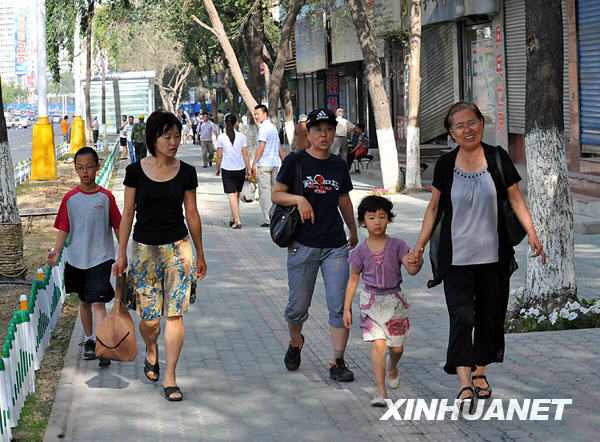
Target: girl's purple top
384, 278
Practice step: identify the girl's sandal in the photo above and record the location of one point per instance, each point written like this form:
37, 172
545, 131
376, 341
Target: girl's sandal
169, 391
148, 367
470, 399
238, 225
231, 222
478, 390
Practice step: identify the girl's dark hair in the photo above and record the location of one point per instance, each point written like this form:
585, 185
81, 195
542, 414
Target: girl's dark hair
159, 122
457, 107
86, 151
230, 121
373, 203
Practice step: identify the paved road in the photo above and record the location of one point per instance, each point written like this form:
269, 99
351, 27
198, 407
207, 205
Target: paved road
20, 141
235, 384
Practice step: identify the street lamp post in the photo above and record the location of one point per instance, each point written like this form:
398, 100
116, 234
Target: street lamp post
43, 159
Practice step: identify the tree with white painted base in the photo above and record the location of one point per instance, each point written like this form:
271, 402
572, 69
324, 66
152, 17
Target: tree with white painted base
379, 100
12, 265
412, 182
549, 195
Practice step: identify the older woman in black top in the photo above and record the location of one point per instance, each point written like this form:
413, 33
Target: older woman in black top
471, 253
162, 270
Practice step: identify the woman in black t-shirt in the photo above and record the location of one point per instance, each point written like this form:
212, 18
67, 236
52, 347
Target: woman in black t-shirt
471, 253
321, 240
162, 270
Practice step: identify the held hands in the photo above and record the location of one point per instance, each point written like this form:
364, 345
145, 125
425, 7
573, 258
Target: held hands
415, 257
536, 248
306, 211
347, 319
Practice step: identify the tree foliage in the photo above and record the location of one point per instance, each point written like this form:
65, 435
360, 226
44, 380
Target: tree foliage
11, 93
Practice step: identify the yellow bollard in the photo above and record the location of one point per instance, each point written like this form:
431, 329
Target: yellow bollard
23, 301
40, 273
77, 134
43, 160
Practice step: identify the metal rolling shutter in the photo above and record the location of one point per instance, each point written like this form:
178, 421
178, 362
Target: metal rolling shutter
567, 116
589, 73
516, 61
437, 84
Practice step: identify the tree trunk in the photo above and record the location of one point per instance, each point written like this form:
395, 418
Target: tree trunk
88, 73
288, 112
254, 47
219, 31
549, 194
388, 153
201, 90
12, 265
413, 136
277, 72
117, 98
103, 117
231, 92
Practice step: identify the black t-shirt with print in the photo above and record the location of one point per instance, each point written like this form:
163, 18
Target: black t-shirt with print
322, 181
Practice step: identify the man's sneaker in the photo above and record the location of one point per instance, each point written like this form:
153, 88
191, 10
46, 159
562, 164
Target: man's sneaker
292, 356
339, 371
103, 362
89, 350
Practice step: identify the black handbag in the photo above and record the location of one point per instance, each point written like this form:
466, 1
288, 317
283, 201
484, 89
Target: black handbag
285, 220
515, 230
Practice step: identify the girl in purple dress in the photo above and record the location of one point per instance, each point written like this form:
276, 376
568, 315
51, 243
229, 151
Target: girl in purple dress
383, 306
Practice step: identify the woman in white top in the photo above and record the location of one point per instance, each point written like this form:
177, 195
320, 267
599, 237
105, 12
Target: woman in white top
233, 165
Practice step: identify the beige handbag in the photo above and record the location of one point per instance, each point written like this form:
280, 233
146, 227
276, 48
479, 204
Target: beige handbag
115, 335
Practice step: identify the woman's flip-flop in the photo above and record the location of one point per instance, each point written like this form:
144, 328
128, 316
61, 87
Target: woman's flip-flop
172, 390
153, 368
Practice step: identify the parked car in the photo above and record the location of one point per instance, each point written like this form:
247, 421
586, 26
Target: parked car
56, 118
20, 122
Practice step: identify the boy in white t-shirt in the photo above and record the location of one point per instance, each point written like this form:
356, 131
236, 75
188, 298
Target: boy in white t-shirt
88, 213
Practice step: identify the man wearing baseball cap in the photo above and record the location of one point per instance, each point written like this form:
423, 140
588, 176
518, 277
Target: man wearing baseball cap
321, 240
138, 136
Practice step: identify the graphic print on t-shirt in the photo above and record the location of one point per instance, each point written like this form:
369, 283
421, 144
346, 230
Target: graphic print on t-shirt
320, 185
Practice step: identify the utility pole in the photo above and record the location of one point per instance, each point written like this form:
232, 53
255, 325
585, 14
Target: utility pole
43, 159
78, 125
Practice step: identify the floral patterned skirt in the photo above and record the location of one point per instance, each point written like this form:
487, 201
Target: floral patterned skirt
160, 279
384, 317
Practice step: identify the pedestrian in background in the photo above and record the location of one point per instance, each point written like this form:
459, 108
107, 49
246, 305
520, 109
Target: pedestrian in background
195, 118
340, 142
95, 131
321, 240
162, 270
205, 131
267, 160
64, 128
233, 165
138, 136
129, 128
301, 134
123, 137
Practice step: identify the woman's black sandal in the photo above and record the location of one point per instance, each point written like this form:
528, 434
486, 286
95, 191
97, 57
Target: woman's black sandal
172, 390
471, 399
153, 368
478, 390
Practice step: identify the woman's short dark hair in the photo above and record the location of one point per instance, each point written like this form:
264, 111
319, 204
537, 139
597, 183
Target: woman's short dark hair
373, 203
159, 122
457, 107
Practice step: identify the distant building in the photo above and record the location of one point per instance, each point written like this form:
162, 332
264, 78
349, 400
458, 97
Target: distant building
18, 33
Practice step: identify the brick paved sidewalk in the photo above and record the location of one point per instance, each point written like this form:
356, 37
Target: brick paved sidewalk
235, 384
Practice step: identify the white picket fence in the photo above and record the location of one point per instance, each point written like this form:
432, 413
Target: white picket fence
29, 333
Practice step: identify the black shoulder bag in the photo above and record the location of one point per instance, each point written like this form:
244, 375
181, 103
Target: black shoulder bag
515, 230
285, 220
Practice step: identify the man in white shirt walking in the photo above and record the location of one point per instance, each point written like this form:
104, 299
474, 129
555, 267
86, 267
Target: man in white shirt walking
340, 142
205, 132
267, 159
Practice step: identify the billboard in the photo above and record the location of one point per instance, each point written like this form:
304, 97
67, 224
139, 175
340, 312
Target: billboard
311, 44
21, 42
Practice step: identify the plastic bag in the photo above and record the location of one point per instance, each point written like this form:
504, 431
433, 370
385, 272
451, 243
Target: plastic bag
248, 192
